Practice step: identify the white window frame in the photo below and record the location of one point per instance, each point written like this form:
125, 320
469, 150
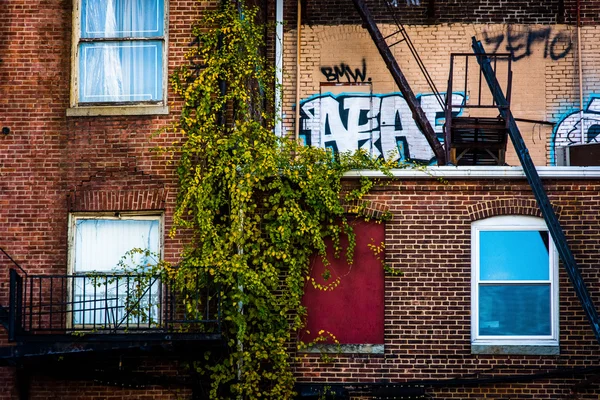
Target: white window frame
512, 223
78, 109
74, 217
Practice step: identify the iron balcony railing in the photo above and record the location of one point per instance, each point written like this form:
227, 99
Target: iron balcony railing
110, 303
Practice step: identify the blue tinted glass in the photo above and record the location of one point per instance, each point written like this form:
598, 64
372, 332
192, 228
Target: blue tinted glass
514, 255
120, 71
514, 310
122, 18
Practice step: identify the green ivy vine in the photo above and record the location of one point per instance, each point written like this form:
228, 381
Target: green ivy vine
259, 206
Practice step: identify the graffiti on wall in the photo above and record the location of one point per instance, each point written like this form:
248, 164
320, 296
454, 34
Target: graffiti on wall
568, 131
381, 124
343, 71
523, 42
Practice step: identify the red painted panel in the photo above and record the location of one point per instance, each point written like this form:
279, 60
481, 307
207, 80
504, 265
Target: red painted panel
353, 311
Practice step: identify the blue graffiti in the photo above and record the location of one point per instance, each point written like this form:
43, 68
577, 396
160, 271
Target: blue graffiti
568, 131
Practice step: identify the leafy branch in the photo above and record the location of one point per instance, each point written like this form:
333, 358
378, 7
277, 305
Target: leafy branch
258, 206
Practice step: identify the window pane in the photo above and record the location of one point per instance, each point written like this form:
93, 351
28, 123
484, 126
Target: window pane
514, 255
514, 310
107, 301
120, 71
100, 243
122, 18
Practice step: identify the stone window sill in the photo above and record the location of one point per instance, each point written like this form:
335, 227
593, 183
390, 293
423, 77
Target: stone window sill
538, 350
346, 349
95, 111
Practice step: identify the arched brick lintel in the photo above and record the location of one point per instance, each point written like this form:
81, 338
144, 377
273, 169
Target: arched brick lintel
496, 207
118, 192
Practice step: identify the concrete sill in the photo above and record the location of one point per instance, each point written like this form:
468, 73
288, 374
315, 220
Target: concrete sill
346, 349
544, 350
95, 111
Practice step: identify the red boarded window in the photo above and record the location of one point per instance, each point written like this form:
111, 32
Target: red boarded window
354, 310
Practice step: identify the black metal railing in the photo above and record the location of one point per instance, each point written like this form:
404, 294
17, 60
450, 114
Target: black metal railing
471, 83
111, 303
479, 137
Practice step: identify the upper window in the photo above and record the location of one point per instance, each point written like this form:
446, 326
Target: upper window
514, 282
120, 48
100, 290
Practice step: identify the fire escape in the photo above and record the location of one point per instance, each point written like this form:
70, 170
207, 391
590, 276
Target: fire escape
82, 326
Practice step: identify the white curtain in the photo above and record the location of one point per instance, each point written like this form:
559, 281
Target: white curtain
102, 301
121, 70
101, 243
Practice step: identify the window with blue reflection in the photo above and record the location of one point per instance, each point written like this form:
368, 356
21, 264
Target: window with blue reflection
122, 18
513, 255
514, 280
120, 71
514, 310
121, 51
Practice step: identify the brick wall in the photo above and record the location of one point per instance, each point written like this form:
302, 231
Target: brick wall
428, 310
51, 164
536, 71
447, 11
545, 85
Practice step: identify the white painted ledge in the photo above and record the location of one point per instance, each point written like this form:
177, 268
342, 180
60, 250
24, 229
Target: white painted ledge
482, 172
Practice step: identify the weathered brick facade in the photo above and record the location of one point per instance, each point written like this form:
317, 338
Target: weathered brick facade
428, 309
431, 11
51, 165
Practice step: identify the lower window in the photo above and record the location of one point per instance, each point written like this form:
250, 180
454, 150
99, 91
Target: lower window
110, 286
514, 283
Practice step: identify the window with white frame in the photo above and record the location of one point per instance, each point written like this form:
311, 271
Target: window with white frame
120, 52
514, 282
103, 294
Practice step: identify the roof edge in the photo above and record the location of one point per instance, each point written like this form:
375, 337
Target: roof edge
480, 172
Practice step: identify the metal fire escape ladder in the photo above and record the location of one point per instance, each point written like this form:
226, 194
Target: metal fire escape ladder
414, 105
538, 190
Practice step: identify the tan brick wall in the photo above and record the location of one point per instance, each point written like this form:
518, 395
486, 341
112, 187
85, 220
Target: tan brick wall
545, 73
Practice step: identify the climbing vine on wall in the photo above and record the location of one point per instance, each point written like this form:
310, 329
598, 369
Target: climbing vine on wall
259, 206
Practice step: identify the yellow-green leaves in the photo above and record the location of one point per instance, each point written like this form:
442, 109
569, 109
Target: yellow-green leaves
259, 206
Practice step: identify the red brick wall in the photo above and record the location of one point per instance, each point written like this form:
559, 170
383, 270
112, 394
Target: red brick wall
427, 311
51, 164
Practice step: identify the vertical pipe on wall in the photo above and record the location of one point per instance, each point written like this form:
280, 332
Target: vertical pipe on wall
279, 67
298, 52
580, 66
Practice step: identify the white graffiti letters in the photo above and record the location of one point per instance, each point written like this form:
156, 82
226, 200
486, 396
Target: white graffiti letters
379, 124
